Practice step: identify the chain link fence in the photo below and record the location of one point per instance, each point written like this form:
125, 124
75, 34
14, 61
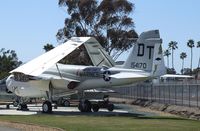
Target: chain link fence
176, 93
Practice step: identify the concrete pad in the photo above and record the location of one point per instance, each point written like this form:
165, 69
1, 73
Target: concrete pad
37, 109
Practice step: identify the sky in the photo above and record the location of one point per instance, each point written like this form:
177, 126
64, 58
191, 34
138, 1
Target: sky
26, 26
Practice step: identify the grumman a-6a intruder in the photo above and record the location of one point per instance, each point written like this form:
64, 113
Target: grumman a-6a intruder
42, 75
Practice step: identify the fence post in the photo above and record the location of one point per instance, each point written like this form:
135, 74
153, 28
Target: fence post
135, 92
154, 92
189, 95
169, 93
151, 92
182, 94
158, 93
175, 94
147, 92
132, 95
164, 93
142, 91
197, 95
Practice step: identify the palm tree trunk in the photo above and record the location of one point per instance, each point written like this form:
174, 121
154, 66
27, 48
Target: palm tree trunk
167, 61
172, 58
191, 62
199, 63
182, 66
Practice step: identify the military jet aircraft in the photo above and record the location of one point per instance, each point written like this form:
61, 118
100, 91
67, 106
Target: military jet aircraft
43, 75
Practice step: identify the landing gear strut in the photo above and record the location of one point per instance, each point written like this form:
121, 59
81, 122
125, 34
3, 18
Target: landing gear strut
47, 105
21, 103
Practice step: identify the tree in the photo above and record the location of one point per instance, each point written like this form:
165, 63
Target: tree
167, 53
8, 62
108, 21
190, 44
183, 55
171, 71
48, 47
173, 46
187, 71
198, 46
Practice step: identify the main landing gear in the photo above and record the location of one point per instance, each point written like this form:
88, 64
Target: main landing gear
22, 107
21, 103
47, 107
84, 104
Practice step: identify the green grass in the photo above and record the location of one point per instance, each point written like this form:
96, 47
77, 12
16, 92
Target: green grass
110, 123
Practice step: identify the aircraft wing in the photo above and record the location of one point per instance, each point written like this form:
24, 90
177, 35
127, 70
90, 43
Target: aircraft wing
38, 65
97, 54
127, 75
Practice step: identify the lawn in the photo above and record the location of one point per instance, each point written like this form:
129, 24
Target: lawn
110, 123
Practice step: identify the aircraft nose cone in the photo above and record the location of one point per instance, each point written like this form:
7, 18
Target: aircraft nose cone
4, 85
8, 83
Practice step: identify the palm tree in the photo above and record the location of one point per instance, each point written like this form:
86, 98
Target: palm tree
190, 44
167, 53
198, 46
48, 47
183, 55
173, 46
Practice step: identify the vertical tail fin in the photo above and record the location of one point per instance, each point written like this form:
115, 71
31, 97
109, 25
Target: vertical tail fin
147, 54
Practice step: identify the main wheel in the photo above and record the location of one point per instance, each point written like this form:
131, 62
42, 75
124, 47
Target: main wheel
47, 107
22, 107
110, 107
66, 103
84, 106
15, 103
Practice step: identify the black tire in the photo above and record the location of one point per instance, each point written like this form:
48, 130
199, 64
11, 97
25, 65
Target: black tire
15, 103
66, 103
47, 107
88, 106
84, 106
110, 107
22, 107
60, 101
80, 107
19, 107
95, 107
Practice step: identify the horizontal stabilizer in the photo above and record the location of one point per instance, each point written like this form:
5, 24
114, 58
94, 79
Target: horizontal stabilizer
38, 65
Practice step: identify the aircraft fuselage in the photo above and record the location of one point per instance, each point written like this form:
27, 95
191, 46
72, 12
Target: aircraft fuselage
71, 78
